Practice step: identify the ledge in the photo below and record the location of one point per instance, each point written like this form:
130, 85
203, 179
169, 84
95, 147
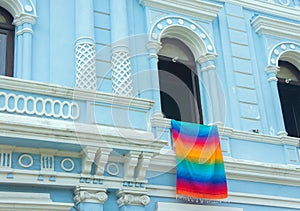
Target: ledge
279, 28
240, 170
238, 134
57, 131
195, 8
27, 201
53, 90
233, 197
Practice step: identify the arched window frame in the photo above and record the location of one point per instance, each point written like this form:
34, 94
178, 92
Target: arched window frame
24, 17
179, 82
202, 47
8, 31
287, 51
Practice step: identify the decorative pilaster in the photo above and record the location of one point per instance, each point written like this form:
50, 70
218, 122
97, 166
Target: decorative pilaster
121, 72
272, 79
121, 67
153, 49
85, 50
209, 80
24, 35
87, 199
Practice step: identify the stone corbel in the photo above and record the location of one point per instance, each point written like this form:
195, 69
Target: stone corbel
101, 159
88, 157
132, 198
89, 195
131, 161
143, 165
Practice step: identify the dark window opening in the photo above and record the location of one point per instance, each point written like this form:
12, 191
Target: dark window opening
289, 93
179, 91
7, 36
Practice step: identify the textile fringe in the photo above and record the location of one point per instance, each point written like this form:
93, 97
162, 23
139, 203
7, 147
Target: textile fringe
198, 201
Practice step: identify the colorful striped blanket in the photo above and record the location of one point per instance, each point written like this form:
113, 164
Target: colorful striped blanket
200, 166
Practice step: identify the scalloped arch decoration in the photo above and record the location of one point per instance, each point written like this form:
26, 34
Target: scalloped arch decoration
289, 51
19, 8
187, 31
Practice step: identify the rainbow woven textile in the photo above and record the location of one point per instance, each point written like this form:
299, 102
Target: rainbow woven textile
199, 160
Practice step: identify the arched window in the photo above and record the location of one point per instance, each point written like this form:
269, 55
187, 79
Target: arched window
7, 33
289, 93
178, 80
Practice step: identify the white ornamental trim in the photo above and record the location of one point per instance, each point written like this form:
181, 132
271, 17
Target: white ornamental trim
52, 90
39, 106
113, 169
163, 24
62, 164
25, 156
280, 48
275, 27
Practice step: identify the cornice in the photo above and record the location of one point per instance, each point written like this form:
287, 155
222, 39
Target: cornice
275, 27
238, 134
268, 7
195, 8
240, 169
53, 90
58, 131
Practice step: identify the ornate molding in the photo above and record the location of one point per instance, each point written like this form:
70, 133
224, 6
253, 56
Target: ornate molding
72, 109
275, 27
57, 131
194, 36
89, 195
200, 9
35, 87
286, 51
135, 199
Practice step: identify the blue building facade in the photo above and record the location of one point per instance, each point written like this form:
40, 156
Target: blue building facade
88, 88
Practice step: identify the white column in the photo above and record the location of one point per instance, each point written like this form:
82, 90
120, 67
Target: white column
121, 67
215, 104
276, 104
85, 50
24, 37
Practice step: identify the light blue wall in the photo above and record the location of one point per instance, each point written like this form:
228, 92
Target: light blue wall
240, 66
